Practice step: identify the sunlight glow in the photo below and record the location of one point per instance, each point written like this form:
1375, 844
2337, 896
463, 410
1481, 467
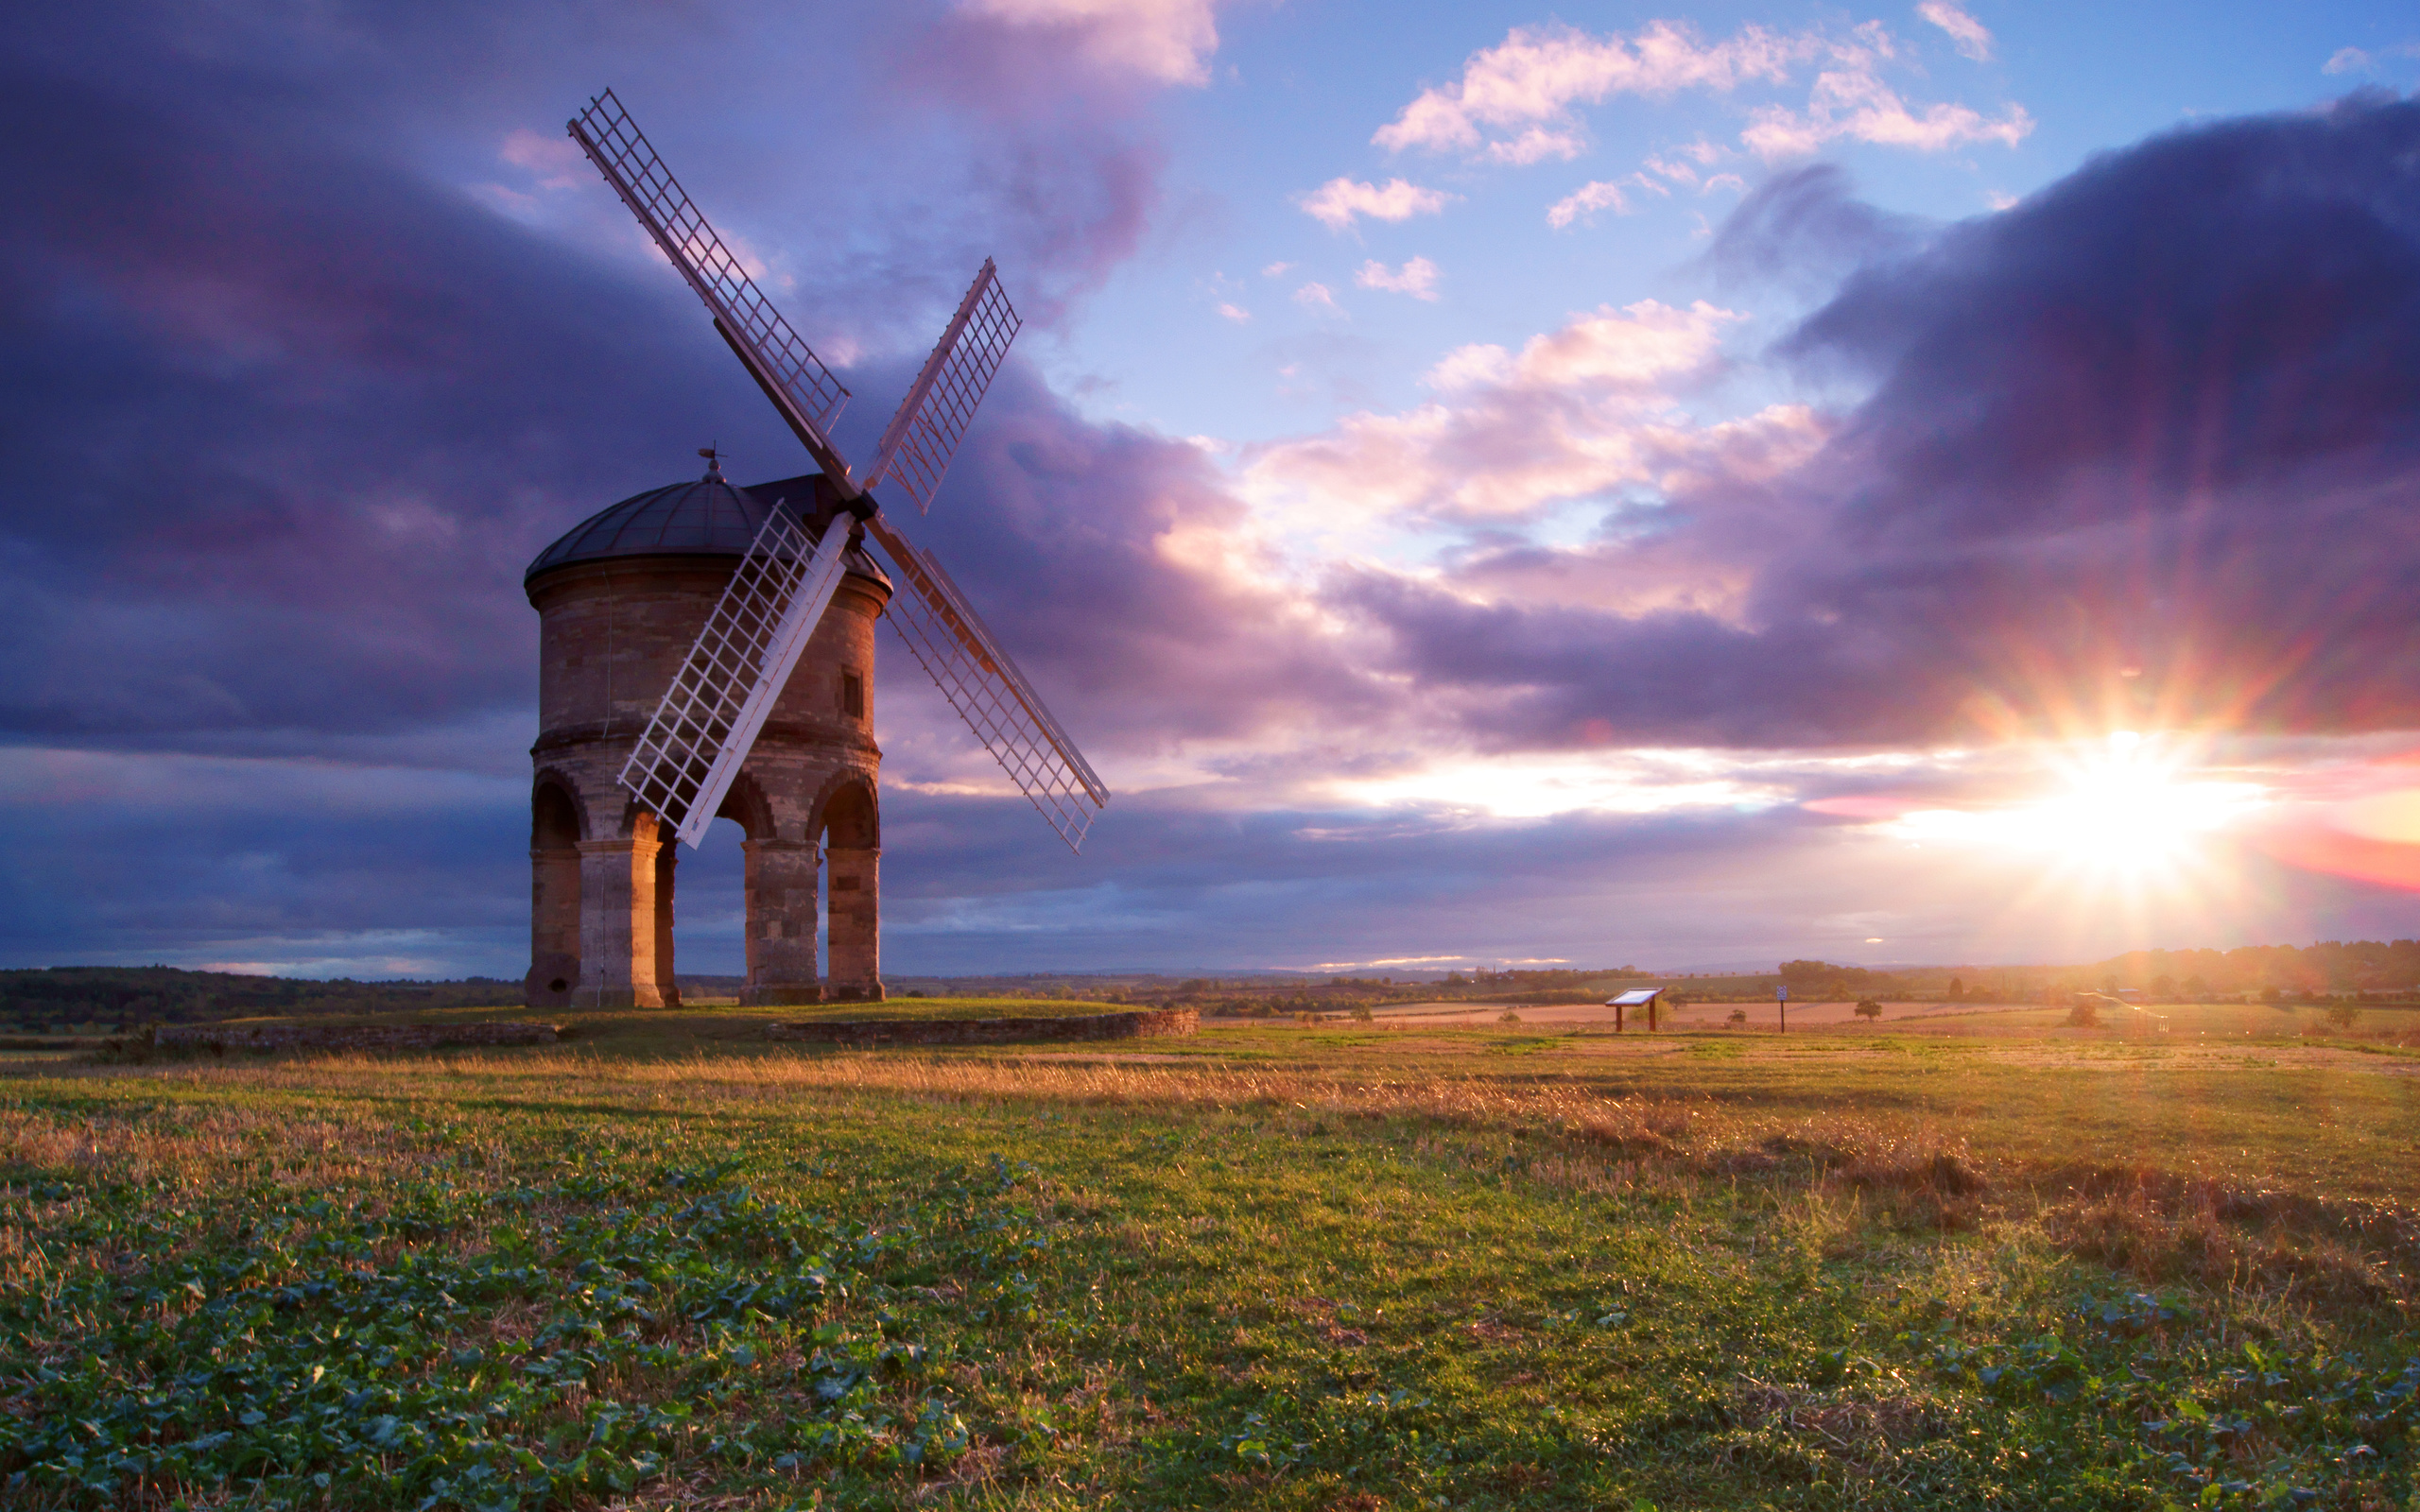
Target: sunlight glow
1602, 783
2393, 817
2127, 808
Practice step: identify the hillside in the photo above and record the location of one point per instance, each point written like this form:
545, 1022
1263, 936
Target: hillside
109, 996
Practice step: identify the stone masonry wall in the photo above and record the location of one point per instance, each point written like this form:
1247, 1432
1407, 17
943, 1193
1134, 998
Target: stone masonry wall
612, 635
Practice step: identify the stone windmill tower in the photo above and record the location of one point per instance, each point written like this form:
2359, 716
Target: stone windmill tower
706, 651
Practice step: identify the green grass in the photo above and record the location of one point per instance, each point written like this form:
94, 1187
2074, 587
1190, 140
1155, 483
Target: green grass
1271, 1266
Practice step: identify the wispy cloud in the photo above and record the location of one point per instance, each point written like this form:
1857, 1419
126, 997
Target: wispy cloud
1535, 144
1575, 411
1585, 201
1538, 73
1516, 102
1852, 101
1165, 42
1417, 277
1318, 298
1334, 204
1965, 33
1236, 313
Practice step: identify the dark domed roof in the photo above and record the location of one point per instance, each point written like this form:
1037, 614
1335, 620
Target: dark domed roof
706, 517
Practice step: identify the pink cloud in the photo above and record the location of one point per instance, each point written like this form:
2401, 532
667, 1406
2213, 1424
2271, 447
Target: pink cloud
1576, 411
1853, 102
1334, 204
1965, 33
1537, 74
1159, 41
1515, 102
1585, 201
1417, 277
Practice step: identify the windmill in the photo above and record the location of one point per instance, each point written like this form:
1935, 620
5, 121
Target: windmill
685, 764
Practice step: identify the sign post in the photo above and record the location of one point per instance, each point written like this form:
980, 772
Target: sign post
1781, 995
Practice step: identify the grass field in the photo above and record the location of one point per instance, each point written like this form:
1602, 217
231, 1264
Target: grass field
1958, 1263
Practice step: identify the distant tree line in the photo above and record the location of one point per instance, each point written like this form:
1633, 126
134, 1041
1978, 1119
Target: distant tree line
131, 995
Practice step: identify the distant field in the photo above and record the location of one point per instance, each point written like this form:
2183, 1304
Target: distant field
1965, 1262
641, 1031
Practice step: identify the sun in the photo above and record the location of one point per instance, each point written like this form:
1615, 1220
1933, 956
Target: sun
2126, 806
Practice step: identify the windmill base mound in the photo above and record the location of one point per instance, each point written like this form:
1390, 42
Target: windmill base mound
1147, 1025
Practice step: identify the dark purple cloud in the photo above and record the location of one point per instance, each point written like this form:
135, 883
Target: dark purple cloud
1807, 229
286, 407
2143, 448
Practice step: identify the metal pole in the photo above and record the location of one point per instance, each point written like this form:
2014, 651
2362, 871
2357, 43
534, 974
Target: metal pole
1781, 995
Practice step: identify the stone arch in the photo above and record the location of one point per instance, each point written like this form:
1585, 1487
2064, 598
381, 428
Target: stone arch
558, 823
747, 806
848, 824
848, 807
643, 824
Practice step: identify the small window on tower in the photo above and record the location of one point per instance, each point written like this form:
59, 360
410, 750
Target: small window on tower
853, 696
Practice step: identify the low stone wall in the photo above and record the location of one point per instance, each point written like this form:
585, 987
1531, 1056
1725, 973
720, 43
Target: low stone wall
1143, 1025
224, 1037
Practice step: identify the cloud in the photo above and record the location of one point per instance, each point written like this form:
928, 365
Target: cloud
1804, 229
1515, 102
1965, 33
1587, 200
2157, 419
1234, 312
1334, 204
1417, 277
1852, 101
2346, 61
1318, 298
1535, 144
1163, 41
554, 161
1576, 411
1538, 73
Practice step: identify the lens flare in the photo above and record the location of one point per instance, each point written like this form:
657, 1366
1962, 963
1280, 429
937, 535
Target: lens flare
2125, 807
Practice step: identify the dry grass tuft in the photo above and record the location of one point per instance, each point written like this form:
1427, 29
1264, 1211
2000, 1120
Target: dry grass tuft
2160, 1227
1864, 1432
1937, 1188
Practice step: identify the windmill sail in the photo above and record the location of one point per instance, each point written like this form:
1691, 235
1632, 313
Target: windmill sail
792, 376
950, 640
708, 718
924, 435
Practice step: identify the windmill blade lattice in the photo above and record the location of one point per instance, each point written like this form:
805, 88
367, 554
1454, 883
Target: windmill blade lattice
787, 368
709, 718
923, 436
950, 640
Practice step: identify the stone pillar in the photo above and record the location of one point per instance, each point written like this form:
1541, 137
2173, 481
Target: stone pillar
668, 990
780, 923
554, 926
856, 912
620, 925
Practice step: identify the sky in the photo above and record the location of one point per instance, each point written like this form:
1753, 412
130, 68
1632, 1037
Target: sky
1486, 485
